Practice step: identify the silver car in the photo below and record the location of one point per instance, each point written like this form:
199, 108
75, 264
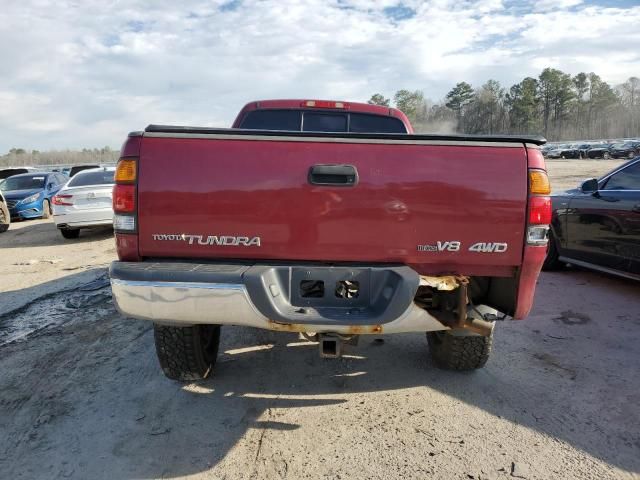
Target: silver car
84, 202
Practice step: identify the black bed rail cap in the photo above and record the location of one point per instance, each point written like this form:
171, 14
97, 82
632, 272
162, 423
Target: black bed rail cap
533, 139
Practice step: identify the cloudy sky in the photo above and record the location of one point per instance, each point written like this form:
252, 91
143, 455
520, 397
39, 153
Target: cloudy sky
83, 73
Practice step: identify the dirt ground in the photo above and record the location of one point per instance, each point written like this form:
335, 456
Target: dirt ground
82, 396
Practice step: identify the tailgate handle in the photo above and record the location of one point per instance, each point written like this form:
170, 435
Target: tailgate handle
336, 175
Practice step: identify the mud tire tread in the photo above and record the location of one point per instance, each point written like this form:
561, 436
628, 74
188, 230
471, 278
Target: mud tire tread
454, 352
181, 352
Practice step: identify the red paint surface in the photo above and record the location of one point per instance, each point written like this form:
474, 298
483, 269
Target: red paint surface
535, 159
127, 247
406, 195
131, 147
527, 279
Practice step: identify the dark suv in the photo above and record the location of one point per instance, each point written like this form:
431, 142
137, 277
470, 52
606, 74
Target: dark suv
600, 150
597, 225
625, 150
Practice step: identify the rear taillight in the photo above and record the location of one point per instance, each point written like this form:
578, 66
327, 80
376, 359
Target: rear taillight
62, 200
539, 210
124, 198
125, 195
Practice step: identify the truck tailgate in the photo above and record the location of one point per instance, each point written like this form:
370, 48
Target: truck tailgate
412, 201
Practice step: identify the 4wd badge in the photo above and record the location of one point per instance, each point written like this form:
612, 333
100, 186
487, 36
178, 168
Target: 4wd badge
455, 246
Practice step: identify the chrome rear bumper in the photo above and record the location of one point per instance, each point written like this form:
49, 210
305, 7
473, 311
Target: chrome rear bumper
154, 296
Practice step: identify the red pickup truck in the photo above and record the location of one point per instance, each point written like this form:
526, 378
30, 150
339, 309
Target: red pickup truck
331, 219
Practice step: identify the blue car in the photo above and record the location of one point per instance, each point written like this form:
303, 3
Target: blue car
28, 195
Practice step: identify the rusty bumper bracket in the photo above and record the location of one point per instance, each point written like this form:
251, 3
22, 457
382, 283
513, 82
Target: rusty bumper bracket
463, 320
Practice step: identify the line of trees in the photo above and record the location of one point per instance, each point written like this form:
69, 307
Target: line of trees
19, 157
555, 104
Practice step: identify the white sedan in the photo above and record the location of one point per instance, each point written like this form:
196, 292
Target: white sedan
85, 201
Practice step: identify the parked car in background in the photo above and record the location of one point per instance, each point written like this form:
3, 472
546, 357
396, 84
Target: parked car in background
79, 168
9, 172
553, 151
29, 195
5, 216
582, 149
564, 151
599, 150
545, 149
625, 150
84, 202
597, 225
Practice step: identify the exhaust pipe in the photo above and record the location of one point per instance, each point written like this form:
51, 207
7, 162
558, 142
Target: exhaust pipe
481, 327
330, 345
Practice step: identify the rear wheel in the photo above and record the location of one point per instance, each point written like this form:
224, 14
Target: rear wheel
453, 350
631, 155
551, 261
606, 155
46, 209
5, 218
187, 353
70, 232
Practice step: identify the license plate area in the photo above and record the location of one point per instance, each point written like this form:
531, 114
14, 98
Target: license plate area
330, 287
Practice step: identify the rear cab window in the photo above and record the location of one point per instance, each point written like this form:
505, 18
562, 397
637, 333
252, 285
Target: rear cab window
324, 122
287, 120
365, 123
321, 121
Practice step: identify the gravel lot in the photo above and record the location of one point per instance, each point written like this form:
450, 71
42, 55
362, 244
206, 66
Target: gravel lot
82, 395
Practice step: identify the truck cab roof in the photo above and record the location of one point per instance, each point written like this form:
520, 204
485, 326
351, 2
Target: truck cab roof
287, 114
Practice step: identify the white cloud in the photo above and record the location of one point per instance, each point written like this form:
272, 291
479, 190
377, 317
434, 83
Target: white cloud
545, 5
82, 74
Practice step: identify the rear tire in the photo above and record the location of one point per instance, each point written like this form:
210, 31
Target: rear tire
551, 261
606, 155
187, 353
46, 209
70, 233
459, 351
631, 155
5, 218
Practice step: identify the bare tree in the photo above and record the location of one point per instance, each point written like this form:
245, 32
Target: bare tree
556, 105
